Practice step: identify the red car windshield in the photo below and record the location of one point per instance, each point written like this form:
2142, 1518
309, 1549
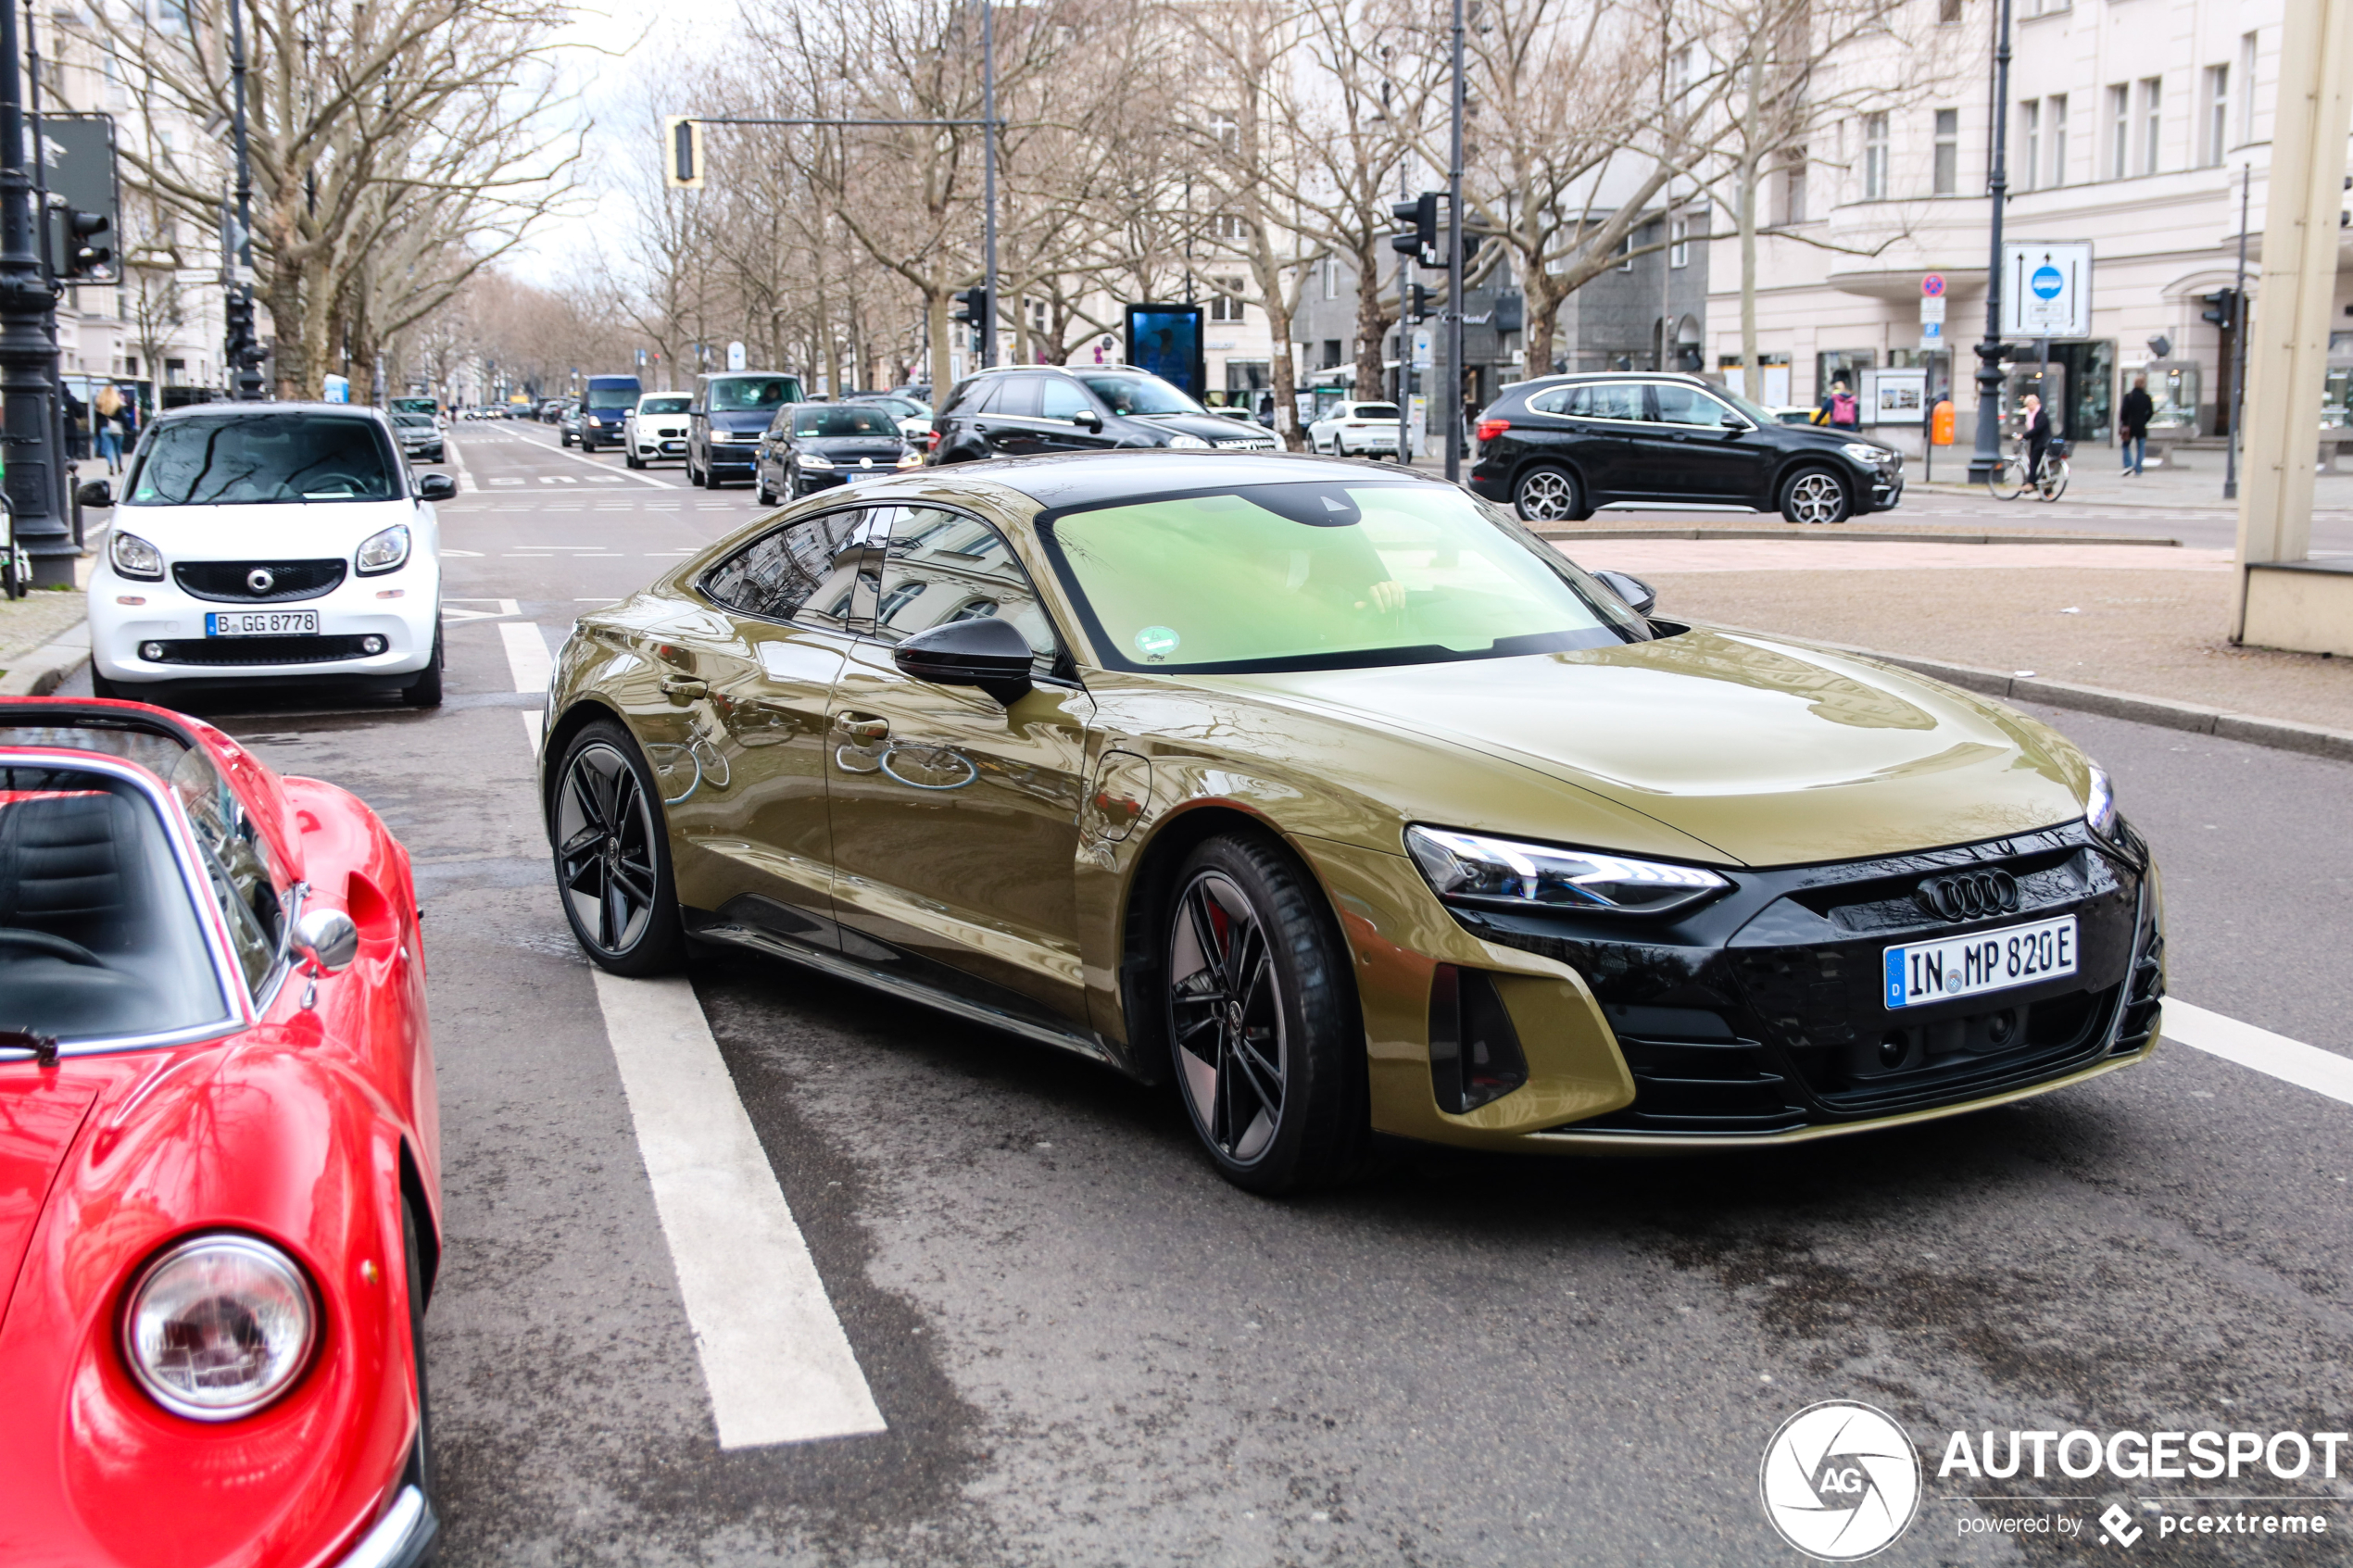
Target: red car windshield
99, 938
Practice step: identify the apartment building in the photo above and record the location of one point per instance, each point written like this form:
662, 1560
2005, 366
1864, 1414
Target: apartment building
2133, 124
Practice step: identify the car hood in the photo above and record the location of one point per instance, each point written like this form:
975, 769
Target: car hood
749, 419
290, 531
879, 447
1209, 427
1822, 438
40, 1113
1771, 753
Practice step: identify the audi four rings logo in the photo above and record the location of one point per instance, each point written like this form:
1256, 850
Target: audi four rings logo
261, 580
1970, 894
1840, 1481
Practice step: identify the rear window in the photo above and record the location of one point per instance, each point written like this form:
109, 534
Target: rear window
264, 457
1374, 411
615, 394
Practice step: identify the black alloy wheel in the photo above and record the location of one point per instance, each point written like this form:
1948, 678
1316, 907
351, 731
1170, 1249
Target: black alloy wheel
1547, 494
612, 855
1813, 494
1262, 1019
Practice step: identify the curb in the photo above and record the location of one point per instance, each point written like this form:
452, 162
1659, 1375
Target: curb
45, 669
2281, 734
1862, 535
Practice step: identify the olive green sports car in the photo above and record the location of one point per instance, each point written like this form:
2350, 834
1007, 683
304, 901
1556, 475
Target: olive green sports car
1333, 794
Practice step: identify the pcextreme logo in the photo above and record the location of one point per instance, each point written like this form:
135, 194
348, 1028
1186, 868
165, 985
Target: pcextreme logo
1840, 1481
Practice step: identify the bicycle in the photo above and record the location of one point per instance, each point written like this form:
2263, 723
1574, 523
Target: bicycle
2008, 479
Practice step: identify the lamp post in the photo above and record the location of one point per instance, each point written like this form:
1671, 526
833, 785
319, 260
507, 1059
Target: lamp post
242, 349
1454, 404
989, 179
34, 461
1987, 457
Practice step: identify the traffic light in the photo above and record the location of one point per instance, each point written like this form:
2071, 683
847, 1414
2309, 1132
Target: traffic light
85, 258
1419, 309
1422, 213
2221, 308
682, 153
972, 308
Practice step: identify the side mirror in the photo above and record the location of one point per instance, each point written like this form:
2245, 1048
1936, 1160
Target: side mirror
1089, 418
327, 938
96, 493
1639, 595
435, 487
991, 654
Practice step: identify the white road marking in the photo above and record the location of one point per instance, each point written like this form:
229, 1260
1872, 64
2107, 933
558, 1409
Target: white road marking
2307, 1067
533, 719
618, 476
774, 1359
526, 654
450, 612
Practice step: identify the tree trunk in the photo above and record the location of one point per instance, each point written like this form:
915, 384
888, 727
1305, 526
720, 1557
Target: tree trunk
1752, 362
1372, 328
938, 324
1286, 377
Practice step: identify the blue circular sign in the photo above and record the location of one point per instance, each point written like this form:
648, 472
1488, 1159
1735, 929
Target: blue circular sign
2047, 282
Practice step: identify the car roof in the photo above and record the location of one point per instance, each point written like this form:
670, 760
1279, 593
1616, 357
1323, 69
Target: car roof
1574, 378
1084, 479
202, 410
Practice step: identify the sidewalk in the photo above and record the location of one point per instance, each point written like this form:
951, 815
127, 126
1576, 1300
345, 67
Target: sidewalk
39, 641
2096, 477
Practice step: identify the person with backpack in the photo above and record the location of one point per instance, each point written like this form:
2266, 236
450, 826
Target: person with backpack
1839, 410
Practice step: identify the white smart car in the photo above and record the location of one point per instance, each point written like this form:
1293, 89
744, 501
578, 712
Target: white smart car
655, 427
1356, 430
282, 543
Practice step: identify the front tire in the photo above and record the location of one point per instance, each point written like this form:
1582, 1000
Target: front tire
1816, 496
1261, 1014
612, 855
425, 690
1547, 494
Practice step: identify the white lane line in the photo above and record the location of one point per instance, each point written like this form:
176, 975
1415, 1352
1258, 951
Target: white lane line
617, 475
526, 654
2307, 1067
465, 478
532, 721
777, 1365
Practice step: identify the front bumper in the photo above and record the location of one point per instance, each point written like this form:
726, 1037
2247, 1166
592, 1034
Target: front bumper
728, 455
402, 1538
402, 607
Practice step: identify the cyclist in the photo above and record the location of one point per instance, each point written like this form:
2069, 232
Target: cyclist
2038, 436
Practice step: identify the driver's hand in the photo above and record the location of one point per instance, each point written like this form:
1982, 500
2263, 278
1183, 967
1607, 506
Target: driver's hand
1386, 597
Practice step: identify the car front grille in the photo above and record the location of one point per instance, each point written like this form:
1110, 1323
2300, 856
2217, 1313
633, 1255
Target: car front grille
228, 582
260, 650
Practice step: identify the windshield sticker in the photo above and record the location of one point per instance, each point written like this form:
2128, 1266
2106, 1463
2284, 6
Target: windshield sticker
1156, 643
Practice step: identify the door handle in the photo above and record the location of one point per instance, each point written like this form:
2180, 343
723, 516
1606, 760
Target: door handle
863, 729
683, 688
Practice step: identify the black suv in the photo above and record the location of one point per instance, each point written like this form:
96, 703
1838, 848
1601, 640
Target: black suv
1030, 411
1558, 447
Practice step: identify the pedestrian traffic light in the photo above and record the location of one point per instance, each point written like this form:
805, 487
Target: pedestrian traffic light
1422, 213
2222, 307
682, 153
85, 258
1419, 309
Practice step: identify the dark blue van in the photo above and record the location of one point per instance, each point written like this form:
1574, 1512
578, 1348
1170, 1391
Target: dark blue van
603, 406
730, 413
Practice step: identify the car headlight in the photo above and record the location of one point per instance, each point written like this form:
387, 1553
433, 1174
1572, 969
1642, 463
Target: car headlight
2099, 805
1470, 868
812, 460
1189, 444
219, 1327
134, 557
910, 460
1864, 452
384, 551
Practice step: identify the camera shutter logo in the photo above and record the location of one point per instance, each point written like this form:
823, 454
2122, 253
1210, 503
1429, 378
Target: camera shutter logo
1840, 1481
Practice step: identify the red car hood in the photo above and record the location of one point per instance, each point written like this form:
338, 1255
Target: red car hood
40, 1113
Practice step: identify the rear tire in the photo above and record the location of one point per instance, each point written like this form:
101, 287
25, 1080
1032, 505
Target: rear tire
1816, 496
760, 490
694, 475
1549, 494
611, 847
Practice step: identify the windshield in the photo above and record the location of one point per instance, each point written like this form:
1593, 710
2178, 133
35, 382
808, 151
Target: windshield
1757, 415
1322, 575
100, 938
413, 422
614, 395
262, 458
667, 405
413, 405
821, 420
744, 394
1140, 394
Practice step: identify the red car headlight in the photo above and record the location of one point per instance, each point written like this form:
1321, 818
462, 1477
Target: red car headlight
219, 1327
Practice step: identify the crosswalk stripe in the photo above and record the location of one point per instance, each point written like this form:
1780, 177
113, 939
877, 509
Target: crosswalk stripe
526, 655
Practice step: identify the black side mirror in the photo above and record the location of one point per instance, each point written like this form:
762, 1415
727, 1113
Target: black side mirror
1089, 418
991, 654
96, 493
1639, 595
435, 487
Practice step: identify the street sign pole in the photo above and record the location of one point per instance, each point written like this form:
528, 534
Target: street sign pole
1987, 457
33, 460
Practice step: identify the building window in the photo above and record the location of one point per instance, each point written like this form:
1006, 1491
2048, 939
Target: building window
1791, 191
1678, 241
2055, 111
1678, 73
1625, 252
1946, 177
1228, 229
2216, 134
1875, 157
2120, 133
2030, 136
1226, 131
2246, 88
1226, 305
2152, 121
1332, 353
1331, 277
1948, 13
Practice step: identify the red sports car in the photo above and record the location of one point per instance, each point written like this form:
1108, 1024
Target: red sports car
219, 1157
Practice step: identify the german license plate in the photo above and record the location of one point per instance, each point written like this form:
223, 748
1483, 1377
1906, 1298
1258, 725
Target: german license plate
262, 623
1922, 972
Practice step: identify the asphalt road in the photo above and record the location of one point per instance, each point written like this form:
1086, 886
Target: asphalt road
1089, 1350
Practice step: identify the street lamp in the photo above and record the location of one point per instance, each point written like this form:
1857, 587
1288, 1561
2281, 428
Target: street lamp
242, 349
1987, 458
29, 347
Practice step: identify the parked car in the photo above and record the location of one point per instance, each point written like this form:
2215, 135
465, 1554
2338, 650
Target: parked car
1330, 795
655, 428
812, 445
604, 402
1028, 410
279, 541
421, 437
730, 414
221, 1218
1559, 447
1355, 429
567, 424
913, 417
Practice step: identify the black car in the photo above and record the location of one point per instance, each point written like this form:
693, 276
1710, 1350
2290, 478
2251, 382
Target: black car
1559, 447
811, 445
1030, 411
727, 421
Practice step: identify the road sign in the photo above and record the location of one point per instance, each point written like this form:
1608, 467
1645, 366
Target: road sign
1933, 286
1932, 309
735, 356
2046, 288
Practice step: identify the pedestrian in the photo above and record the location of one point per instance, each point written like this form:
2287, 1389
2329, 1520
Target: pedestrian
2038, 436
1839, 410
77, 427
108, 408
2132, 423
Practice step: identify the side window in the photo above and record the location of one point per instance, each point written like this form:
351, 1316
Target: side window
1608, 400
810, 571
1687, 406
237, 864
961, 399
944, 567
1063, 400
1553, 401
1015, 397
